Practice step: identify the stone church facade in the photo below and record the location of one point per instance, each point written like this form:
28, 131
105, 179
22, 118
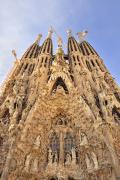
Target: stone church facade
60, 115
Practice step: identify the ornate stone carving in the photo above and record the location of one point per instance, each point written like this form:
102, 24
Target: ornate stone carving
83, 140
73, 156
37, 142
91, 161
50, 157
68, 159
27, 163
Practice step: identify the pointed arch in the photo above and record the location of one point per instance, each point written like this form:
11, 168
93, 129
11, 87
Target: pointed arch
61, 79
62, 121
59, 82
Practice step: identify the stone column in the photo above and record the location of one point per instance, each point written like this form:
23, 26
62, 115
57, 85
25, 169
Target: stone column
61, 157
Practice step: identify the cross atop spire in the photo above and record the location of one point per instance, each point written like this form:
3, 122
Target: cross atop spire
69, 32
50, 32
82, 35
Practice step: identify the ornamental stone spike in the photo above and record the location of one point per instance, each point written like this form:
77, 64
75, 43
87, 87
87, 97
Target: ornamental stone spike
50, 32
14, 54
69, 32
59, 41
38, 38
82, 35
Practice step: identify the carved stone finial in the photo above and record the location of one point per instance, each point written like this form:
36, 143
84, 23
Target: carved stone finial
14, 54
82, 35
60, 42
69, 32
38, 38
50, 32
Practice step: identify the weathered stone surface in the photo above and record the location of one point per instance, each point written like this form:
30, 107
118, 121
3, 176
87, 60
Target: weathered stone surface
60, 116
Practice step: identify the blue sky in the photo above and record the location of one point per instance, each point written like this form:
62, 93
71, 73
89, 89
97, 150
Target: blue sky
22, 20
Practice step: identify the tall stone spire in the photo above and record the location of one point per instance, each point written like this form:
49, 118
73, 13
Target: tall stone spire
75, 56
33, 50
72, 43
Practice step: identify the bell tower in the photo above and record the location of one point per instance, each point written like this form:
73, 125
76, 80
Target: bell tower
75, 56
45, 58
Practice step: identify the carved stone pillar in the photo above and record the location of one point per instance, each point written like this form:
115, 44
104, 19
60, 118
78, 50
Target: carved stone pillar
61, 156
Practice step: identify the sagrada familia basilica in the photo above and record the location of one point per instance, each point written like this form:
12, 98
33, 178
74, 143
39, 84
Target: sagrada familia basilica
60, 115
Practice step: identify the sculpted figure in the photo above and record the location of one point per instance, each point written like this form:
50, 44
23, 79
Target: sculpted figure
110, 105
94, 158
108, 78
11, 108
27, 162
35, 165
83, 140
50, 156
55, 159
19, 101
68, 159
73, 156
89, 163
20, 86
15, 88
37, 142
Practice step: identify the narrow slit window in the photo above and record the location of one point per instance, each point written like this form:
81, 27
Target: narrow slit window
48, 49
74, 60
71, 46
78, 60
92, 63
45, 64
88, 66
41, 62
74, 45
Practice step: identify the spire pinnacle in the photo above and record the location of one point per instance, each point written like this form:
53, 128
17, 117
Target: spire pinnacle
60, 51
59, 41
69, 32
14, 54
50, 32
82, 35
38, 38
